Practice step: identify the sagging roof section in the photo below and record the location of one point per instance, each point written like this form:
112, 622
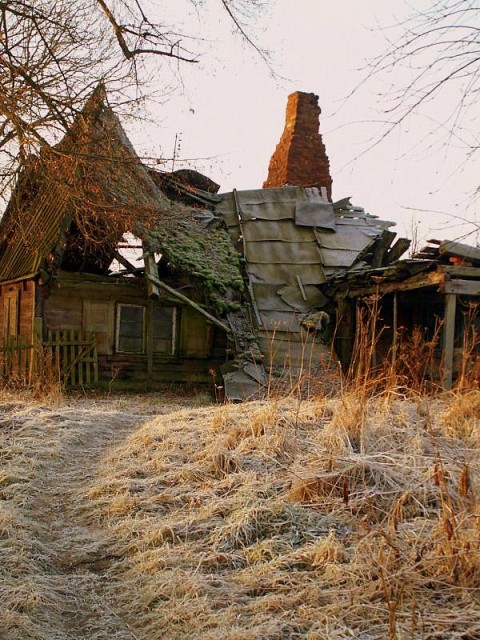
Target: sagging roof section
74, 202
292, 239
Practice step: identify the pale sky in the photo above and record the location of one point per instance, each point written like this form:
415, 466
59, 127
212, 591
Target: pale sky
228, 111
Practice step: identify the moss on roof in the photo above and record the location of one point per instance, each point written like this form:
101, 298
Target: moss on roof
201, 252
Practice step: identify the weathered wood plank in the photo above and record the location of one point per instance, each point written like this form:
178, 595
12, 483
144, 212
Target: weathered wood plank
462, 287
448, 339
451, 248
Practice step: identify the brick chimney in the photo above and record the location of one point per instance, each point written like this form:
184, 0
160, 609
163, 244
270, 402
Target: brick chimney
300, 158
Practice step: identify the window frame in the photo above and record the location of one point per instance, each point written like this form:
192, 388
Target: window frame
121, 305
174, 341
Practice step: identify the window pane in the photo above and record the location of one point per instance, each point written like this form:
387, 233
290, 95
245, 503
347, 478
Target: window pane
130, 328
163, 329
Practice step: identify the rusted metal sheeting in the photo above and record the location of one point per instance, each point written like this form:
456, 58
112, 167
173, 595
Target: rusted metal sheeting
276, 230
286, 273
282, 253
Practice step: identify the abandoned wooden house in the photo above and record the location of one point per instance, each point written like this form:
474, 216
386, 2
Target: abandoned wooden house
125, 276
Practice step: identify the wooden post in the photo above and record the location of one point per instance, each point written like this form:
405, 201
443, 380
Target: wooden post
395, 327
448, 338
149, 345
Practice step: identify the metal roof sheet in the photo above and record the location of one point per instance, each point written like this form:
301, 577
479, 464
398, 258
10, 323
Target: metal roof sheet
338, 257
348, 238
286, 253
286, 273
315, 214
267, 298
280, 230
280, 321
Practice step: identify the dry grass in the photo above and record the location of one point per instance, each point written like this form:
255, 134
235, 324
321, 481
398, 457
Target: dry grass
328, 519
248, 523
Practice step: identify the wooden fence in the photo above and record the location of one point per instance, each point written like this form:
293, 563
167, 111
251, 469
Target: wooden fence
67, 355
16, 359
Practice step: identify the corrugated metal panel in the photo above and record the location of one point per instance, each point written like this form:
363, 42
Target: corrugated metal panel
286, 273
348, 238
283, 253
279, 230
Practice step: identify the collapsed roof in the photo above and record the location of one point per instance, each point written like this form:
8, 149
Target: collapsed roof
266, 260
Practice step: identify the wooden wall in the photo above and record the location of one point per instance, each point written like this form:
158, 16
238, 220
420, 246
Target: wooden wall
17, 309
90, 303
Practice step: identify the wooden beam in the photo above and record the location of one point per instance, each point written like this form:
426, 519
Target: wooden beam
149, 344
151, 269
397, 250
462, 287
415, 282
123, 261
451, 248
448, 338
381, 247
460, 272
194, 305
395, 327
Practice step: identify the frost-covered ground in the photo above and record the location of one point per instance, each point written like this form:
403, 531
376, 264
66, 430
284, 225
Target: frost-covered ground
146, 517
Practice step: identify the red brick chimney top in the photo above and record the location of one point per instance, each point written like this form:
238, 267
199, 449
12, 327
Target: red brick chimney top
300, 158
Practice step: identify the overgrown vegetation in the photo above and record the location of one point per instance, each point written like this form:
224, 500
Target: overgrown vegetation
349, 516
206, 255
351, 513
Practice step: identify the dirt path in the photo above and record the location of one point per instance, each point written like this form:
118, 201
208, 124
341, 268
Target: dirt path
63, 448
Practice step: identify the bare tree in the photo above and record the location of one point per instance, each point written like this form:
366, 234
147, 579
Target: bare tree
438, 49
53, 52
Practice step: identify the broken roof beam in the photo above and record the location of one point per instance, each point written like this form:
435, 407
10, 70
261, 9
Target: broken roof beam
191, 303
397, 250
128, 265
381, 247
418, 281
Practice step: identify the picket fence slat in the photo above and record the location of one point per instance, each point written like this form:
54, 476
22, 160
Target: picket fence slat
71, 353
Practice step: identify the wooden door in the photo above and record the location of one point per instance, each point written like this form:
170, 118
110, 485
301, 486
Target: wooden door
98, 317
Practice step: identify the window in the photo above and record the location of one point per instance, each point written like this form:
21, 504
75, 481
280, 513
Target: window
164, 329
130, 328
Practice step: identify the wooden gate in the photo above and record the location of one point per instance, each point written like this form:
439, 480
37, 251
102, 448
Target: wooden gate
75, 355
